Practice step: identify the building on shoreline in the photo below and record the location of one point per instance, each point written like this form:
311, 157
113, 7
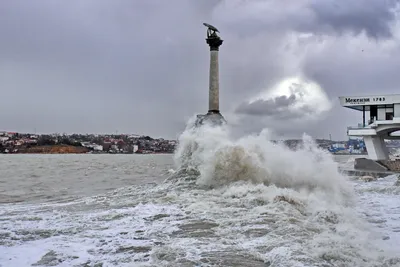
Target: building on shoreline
353, 146
380, 119
380, 122
11, 142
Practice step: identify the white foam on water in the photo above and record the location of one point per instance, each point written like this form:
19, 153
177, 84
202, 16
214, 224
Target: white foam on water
244, 202
379, 202
308, 176
79, 237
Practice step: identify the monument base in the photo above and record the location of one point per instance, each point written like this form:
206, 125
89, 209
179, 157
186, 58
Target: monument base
212, 118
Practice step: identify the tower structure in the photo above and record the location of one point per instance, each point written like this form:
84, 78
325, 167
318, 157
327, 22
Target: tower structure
213, 115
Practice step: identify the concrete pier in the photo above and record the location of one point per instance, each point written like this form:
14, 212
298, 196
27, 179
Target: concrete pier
371, 173
376, 146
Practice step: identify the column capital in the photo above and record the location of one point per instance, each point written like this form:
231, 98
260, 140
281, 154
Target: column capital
214, 43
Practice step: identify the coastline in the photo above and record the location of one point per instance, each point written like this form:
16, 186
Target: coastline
52, 149
69, 149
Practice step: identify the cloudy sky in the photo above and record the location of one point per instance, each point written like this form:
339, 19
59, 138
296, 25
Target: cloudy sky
142, 66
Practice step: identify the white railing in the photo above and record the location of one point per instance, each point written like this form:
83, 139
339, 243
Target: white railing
359, 126
368, 125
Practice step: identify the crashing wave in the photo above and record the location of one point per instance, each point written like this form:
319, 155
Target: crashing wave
216, 159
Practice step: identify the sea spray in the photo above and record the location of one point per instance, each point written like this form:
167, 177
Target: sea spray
219, 160
300, 189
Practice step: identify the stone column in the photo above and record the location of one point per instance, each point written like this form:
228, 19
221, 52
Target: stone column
213, 116
213, 102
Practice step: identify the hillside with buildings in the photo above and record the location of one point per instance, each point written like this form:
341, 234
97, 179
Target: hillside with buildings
11, 142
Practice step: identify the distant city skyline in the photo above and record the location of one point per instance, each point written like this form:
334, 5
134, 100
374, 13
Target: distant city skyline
76, 133
281, 137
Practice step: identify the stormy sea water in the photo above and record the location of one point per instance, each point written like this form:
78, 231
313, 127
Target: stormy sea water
216, 202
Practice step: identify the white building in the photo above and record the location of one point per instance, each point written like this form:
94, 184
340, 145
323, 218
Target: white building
381, 118
3, 139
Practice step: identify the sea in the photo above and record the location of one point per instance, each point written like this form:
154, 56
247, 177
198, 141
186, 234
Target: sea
218, 201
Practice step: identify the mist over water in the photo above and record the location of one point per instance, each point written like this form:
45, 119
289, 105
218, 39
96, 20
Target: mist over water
220, 202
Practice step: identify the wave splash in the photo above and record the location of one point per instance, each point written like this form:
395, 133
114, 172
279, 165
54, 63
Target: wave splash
217, 160
299, 193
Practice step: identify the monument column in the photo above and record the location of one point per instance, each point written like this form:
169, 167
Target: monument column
214, 42
213, 116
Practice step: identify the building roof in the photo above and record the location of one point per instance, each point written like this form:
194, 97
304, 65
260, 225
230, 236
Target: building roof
357, 102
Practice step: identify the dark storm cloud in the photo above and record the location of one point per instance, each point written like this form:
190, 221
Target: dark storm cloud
372, 16
269, 107
375, 17
142, 66
341, 69
278, 111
